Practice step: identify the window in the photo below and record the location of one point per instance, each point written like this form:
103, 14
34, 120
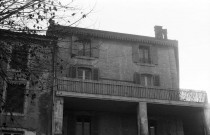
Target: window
84, 46
83, 125
85, 73
15, 98
19, 57
8, 132
144, 54
147, 79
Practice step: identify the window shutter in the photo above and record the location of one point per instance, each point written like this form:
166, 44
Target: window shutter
156, 80
72, 71
137, 78
71, 45
154, 55
135, 53
95, 74
74, 46
94, 48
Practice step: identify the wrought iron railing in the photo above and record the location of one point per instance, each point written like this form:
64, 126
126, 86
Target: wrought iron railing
129, 90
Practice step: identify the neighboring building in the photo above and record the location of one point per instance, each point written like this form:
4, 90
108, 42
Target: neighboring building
111, 83
25, 69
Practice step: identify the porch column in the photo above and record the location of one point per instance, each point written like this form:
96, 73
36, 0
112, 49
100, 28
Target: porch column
58, 115
142, 120
207, 119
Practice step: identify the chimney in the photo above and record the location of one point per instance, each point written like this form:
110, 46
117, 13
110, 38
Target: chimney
160, 33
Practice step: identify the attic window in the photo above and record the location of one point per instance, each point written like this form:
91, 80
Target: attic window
144, 54
83, 46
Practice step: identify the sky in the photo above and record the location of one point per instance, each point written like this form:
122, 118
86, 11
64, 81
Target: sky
187, 21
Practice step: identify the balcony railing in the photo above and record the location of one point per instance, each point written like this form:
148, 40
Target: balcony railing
129, 90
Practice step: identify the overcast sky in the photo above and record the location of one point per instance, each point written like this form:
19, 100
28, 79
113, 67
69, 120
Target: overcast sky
187, 21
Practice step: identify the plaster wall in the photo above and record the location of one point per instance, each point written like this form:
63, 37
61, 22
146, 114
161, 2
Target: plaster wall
115, 62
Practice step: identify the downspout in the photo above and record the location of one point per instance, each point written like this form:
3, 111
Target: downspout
52, 88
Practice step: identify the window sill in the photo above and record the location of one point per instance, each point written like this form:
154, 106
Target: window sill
85, 57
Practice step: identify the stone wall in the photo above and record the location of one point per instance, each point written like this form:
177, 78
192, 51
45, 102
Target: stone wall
36, 115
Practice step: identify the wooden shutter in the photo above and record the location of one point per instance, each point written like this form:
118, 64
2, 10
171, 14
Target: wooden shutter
135, 53
156, 80
74, 46
73, 71
95, 74
137, 78
71, 41
154, 55
95, 48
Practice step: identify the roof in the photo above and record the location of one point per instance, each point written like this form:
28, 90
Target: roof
55, 29
24, 36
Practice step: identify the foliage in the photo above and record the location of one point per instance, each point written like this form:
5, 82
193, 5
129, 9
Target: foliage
23, 55
33, 16
23, 58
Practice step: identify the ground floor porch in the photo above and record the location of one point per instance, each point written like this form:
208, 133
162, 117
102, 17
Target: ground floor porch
84, 116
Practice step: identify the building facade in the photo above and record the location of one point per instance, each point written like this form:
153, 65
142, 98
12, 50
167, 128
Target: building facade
77, 81
119, 84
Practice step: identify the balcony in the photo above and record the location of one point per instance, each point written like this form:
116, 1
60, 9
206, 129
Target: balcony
131, 91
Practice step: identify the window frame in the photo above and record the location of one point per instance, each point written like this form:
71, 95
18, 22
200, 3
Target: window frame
143, 49
152, 54
155, 79
73, 72
93, 43
4, 94
84, 70
147, 79
85, 44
